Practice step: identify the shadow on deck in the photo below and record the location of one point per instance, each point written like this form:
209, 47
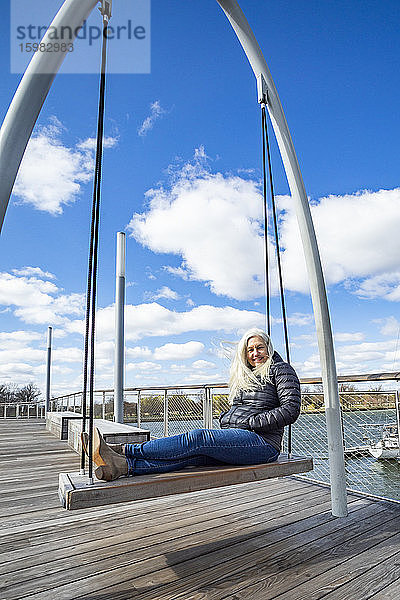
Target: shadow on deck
268, 539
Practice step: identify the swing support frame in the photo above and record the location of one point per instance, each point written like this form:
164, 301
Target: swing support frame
21, 118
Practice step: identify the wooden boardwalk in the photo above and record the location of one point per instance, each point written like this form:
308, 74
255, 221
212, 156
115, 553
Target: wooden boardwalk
269, 539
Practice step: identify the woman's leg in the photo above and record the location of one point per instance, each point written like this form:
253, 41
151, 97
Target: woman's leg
199, 447
145, 466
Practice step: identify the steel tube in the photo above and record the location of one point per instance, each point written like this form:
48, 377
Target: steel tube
48, 367
119, 330
317, 285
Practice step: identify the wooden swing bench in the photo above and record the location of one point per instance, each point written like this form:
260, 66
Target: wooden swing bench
75, 491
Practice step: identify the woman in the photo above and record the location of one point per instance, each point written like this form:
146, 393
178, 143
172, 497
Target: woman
265, 396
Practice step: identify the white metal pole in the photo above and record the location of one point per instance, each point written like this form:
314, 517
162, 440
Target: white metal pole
119, 330
267, 92
48, 367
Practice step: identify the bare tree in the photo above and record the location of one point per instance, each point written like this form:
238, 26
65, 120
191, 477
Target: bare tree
10, 393
28, 393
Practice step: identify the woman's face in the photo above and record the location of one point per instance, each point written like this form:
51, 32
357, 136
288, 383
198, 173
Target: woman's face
256, 351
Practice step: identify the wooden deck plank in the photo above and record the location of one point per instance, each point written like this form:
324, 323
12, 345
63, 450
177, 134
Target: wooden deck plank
371, 571
181, 559
58, 559
265, 539
140, 549
391, 592
320, 572
261, 559
113, 531
129, 513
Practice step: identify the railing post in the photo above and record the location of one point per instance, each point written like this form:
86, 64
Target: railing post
165, 413
342, 424
205, 408
138, 415
398, 414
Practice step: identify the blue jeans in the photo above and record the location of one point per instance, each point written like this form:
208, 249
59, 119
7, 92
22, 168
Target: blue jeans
200, 447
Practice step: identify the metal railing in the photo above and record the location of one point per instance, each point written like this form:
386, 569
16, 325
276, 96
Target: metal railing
164, 411
372, 461
365, 415
22, 410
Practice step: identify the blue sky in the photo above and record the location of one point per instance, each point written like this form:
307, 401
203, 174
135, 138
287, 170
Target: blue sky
181, 176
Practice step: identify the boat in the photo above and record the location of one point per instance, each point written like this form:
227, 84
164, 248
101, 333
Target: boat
388, 446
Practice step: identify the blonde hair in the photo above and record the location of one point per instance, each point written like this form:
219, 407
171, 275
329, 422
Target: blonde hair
242, 376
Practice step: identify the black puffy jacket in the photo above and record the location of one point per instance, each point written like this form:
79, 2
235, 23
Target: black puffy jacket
267, 410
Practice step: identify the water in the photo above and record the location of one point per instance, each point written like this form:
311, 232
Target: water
364, 473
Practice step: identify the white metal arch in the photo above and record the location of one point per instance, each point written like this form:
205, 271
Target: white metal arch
21, 118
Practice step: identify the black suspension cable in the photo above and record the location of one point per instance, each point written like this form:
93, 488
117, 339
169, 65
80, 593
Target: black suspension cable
92, 263
278, 253
278, 256
265, 207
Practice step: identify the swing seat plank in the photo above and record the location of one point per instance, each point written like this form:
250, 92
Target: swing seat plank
76, 492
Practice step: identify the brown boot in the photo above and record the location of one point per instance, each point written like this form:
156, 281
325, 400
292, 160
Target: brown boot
110, 465
118, 448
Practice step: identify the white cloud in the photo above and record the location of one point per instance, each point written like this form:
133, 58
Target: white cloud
365, 357
155, 320
177, 271
26, 354
156, 112
36, 301
381, 286
349, 337
144, 366
172, 351
67, 355
213, 222
19, 339
203, 364
34, 272
90, 143
300, 319
52, 174
16, 372
138, 352
358, 240
391, 326
385, 346
164, 292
